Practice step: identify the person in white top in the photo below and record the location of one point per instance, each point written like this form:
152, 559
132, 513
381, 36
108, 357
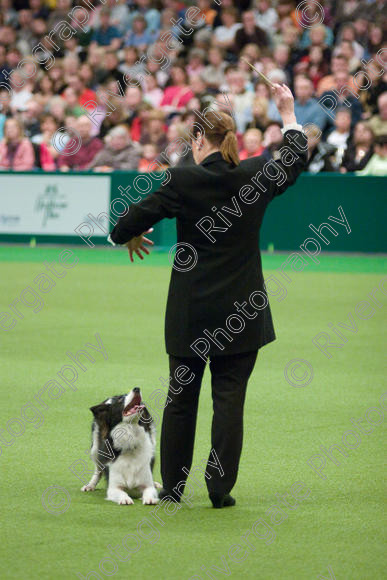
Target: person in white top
224, 35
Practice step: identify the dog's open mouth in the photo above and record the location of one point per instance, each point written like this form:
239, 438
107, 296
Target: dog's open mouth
133, 407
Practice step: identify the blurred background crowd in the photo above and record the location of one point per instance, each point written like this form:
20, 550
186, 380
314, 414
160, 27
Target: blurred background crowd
129, 80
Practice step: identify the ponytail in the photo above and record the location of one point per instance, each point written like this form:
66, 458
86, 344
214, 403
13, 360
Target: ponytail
220, 131
229, 148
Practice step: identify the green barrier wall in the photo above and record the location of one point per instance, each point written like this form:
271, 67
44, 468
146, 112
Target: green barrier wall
286, 225
311, 201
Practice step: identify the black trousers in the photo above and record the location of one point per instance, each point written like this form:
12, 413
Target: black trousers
229, 377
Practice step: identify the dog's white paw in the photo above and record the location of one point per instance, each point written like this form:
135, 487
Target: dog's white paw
157, 485
88, 487
150, 501
125, 500
150, 497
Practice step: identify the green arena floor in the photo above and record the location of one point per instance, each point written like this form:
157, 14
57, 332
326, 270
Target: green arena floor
332, 528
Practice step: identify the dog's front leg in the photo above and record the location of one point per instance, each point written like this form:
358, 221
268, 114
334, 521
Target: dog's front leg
115, 491
93, 481
149, 492
118, 495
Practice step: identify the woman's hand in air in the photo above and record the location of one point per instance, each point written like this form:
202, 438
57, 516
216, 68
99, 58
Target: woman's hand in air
137, 245
285, 103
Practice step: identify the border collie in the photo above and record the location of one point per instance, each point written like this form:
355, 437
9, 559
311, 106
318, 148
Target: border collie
123, 446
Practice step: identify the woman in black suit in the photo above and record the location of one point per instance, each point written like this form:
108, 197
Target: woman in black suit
217, 304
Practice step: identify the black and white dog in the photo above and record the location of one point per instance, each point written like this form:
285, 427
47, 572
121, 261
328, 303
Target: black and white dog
123, 446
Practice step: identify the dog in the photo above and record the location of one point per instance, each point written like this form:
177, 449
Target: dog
123, 447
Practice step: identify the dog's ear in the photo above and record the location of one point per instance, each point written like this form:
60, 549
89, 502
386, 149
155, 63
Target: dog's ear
99, 410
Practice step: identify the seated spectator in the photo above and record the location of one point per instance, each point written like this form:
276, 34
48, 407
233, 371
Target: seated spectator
313, 66
378, 123
152, 92
266, 16
178, 142
340, 134
48, 136
259, 111
250, 33
83, 92
348, 34
30, 118
16, 151
151, 15
106, 34
375, 38
319, 35
359, 150
242, 98
195, 64
177, 95
369, 98
377, 165
132, 102
224, 35
342, 129
89, 148
213, 73
252, 144
208, 12
56, 75
140, 36
119, 153
57, 108
150, 153
70, 66
320, 154
272, 141
71, 99
120, 15
118, 116
339, 63
39, 9
137, 127
131, 65
306, 108
281, 56
342, 95
5, 109
88, 75
44, 90
110, 69
155, 130
346, 48
43, 158
21, 92
261, 90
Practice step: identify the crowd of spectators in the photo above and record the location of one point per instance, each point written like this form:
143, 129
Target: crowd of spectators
127, 80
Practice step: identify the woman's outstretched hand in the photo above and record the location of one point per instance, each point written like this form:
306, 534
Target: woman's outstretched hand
137, 245
285, 103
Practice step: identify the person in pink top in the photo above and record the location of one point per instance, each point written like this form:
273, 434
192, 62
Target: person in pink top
252, 144
16, 151
177, 95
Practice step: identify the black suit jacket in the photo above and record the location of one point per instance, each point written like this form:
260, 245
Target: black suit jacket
216, 268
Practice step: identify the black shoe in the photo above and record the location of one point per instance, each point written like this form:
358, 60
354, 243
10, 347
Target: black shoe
164, 493
221, 500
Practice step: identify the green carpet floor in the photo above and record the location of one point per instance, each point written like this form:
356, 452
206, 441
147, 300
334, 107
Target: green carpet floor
334, 527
